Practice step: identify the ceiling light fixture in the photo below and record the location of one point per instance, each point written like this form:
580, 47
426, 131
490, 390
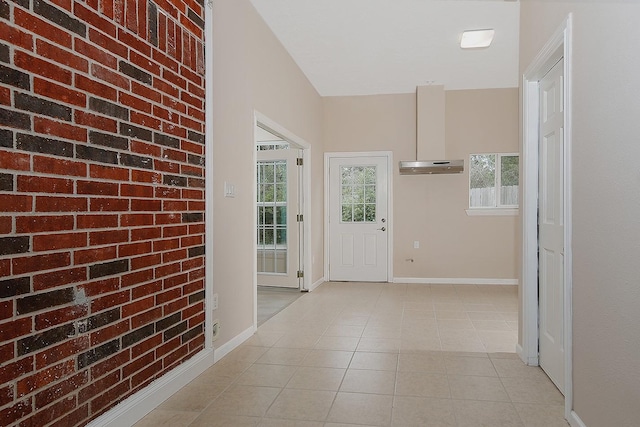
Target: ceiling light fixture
474, 39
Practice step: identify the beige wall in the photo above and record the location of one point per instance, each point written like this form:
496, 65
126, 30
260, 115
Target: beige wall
431, 209
606, 200
252, 71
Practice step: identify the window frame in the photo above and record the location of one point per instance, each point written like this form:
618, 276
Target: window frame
499, 209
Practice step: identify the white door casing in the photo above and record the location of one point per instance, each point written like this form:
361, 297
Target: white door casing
559, 46
551, 225
358, 218
305, 201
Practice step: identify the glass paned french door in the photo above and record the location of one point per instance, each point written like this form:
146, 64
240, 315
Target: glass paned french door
272, 216
278, 232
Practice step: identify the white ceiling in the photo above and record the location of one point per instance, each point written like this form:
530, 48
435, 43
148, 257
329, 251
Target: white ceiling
363, 47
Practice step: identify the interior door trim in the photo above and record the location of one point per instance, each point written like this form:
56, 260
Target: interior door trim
389, 156
559, 46
306, 148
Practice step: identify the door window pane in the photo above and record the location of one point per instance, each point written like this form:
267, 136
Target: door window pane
281, 193
281, 215
370, 213
370, 194
268, 236
358, 196
370, 176
358, 213
347, 213
267, 172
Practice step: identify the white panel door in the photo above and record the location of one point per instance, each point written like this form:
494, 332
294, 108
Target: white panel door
278, 234
358, 226
551, 226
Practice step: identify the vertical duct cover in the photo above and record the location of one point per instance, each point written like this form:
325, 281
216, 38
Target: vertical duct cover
430, 122
430, 135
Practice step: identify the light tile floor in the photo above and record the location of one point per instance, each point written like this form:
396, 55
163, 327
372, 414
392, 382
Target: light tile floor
368, 354
273, 300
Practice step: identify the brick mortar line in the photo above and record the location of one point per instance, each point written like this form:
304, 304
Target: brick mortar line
89, 162
90, 313
129, 228
87, 265
110, 197
102, 246
75, 195
75, 215
35, 214
104, 147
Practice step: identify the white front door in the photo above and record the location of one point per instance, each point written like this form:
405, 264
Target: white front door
358, 219
278, 229
551, 226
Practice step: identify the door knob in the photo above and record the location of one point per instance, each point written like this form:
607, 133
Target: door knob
382, 229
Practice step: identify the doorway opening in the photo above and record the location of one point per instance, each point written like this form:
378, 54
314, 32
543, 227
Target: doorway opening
282, 247
279, 234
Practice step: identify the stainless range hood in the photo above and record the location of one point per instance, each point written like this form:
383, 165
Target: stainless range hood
431, 167
430, 135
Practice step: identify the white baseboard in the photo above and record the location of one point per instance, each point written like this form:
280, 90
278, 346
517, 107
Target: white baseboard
234, 342
316, 284
575, 420
454, 281
131, 410
520, 353
529, 361
134, 408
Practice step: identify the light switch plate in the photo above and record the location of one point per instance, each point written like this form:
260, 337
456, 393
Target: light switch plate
229, 189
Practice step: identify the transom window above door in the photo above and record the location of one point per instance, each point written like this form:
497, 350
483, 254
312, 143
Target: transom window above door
358, 198
276, 145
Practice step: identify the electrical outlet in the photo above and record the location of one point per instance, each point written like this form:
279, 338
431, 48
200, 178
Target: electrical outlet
416, 244
215, 329
214, 302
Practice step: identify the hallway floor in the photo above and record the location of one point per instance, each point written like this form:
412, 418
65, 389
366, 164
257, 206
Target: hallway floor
272, 301
375, 354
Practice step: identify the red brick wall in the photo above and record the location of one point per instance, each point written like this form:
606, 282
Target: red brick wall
101, 202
